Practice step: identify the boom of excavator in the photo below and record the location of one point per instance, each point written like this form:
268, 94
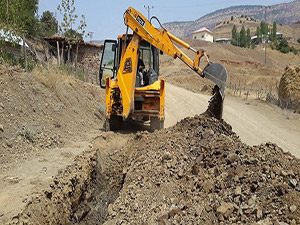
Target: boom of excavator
132, 93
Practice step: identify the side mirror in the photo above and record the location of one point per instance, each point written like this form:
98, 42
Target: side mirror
161, 52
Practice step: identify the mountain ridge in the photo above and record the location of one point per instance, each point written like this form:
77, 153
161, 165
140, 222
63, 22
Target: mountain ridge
283, 13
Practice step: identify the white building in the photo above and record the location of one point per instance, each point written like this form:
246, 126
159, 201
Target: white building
223, 40
203, 34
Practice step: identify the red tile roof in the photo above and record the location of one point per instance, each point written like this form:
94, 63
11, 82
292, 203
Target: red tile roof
203, 29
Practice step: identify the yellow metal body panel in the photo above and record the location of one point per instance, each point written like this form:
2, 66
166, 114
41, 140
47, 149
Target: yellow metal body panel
160, 38
108, 98
126, 76
154, 86
162, 99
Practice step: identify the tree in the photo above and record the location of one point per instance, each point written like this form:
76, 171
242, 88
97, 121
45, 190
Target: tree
48, 24
263, 28
234, 35
274, 31
284, 46
258, 34
243, 38
67, 10
248, 38
19, 16
73, 34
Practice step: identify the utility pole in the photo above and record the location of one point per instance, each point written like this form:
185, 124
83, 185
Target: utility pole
266, 35
148, 8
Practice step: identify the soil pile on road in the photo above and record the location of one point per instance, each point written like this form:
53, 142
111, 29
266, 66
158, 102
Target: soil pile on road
41, 110
289, 88
199, 172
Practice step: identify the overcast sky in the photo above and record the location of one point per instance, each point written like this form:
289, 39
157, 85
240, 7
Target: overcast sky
105, 18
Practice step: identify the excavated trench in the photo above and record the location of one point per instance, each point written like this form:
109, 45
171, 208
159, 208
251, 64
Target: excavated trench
81, 193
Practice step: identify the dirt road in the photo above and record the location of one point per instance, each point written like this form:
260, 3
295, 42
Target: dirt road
255, 122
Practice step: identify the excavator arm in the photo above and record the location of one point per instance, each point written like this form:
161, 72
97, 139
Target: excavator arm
163, 40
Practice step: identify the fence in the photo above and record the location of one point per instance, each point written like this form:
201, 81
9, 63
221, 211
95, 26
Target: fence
269, 94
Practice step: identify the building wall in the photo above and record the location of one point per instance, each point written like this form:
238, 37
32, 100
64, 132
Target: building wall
204, 36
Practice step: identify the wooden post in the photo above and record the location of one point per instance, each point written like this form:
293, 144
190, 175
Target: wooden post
62, 53
58, 57
76, 56
69, 53
25, 53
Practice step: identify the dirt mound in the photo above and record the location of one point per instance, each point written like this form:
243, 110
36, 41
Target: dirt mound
289, 88
199, 172
43, 110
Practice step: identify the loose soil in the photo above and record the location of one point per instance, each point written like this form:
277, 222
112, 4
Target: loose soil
58, 166
196, 172
47, 119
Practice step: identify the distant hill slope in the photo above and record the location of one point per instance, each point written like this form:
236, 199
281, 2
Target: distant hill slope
224, 29
285, 13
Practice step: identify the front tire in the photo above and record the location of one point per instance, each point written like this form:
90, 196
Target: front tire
115, 123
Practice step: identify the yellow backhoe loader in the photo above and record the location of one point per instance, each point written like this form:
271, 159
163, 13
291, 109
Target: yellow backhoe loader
129, 72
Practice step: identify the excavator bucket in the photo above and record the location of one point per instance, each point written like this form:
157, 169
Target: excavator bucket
217, 74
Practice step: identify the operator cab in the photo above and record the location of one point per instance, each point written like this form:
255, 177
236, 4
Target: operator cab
112, 54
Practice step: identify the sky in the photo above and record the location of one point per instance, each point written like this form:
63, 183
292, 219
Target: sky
105, 18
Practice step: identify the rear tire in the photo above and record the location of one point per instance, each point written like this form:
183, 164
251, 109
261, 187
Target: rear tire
156, 123
115, 123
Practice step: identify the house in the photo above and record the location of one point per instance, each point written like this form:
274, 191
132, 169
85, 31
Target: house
223, 40
278, 35
88, 54
203, 34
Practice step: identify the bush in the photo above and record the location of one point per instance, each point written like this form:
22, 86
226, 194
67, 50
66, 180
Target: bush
27, 133
9, 58
295, 51
298, 40
285, 48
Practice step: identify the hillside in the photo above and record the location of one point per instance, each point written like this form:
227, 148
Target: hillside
285, 13
43, 110
245, 67
223, 29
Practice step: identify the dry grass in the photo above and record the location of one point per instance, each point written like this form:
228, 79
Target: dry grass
51, 76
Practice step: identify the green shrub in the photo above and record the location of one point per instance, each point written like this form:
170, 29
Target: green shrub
285, 49
298, 40
27, 133
9, 58
294, 50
